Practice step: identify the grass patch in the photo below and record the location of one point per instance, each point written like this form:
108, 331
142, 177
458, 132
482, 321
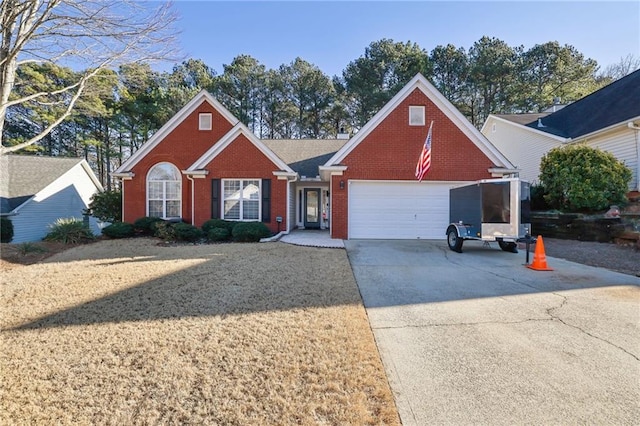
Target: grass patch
126, 332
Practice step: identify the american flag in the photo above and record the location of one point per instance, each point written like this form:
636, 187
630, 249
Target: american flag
424, 162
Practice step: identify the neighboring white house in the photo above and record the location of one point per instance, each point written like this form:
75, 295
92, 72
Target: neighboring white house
608, 119
36, 191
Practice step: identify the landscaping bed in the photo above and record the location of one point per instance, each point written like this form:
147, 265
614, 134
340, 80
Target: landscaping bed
129, 332
624, 258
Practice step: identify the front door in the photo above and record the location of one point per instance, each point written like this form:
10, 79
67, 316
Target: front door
311, 208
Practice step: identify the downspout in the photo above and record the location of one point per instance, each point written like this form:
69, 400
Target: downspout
122, 199
635, 127
193, 212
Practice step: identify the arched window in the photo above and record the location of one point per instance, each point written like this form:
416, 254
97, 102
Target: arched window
164, 191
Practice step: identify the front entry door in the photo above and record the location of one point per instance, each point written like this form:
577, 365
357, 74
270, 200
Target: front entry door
311, 208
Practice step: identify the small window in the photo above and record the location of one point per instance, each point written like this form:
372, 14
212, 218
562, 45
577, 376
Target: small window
205, 121
493, 127
416, 115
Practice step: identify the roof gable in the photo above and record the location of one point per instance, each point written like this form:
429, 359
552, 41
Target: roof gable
226, 140
616, 103
24, 176
517, 125
522, 119
304, 156
172, 124
420, 82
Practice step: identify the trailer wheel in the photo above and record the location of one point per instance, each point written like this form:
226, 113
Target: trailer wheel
510, 247
455, 242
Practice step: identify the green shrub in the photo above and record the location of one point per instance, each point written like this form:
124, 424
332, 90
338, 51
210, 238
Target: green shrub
28, 247
163, 229
6, 230
250, 231
69, 231
187, 232
119, 230
218, 234
580, 178
107, 206
538, 202
146, 225
218, 223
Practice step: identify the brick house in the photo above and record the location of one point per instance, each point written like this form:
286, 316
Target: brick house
205, 164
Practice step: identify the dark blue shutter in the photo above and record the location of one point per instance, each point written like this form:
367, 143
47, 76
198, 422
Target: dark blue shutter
215, 198
266, 200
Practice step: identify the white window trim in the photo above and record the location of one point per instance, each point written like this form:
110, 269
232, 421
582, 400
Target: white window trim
164, 192
417, 108
242, 180
205, 121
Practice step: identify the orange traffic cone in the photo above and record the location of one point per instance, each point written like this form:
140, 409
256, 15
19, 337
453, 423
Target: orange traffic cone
539, 257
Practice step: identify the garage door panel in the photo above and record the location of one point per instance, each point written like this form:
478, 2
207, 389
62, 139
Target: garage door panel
398, 210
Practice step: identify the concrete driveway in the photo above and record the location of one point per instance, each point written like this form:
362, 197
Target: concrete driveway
477, 338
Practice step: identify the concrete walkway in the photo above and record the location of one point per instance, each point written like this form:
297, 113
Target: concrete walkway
312, 238
477, 338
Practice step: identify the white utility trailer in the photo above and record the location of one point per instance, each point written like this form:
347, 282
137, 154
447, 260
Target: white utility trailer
490, 210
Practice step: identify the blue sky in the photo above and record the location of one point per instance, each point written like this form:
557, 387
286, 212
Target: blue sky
330, 34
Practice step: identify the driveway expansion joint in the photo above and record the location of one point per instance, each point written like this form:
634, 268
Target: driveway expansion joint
462, 324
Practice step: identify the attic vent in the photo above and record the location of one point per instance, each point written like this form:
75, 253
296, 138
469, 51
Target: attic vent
540, 123
416, 115
205, 121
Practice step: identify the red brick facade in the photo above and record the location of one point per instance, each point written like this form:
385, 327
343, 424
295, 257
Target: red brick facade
242, 160
391, 151
182, 147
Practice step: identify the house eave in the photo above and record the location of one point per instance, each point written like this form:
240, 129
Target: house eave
621, 124
92, 176
327, 171
123, 175
503, 171
285, 175
196, 174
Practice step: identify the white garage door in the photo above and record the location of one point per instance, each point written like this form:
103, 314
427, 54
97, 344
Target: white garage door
398, 209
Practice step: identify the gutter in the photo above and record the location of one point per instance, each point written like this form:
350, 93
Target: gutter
581, 138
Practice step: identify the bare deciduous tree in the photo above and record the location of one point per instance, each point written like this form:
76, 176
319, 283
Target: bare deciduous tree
90, 34
625, 66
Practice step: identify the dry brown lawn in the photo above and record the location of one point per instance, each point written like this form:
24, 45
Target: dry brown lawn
127, 332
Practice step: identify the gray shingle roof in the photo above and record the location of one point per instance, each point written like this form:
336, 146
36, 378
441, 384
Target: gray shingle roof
613, 104
23, 176
523, 119
305, 155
